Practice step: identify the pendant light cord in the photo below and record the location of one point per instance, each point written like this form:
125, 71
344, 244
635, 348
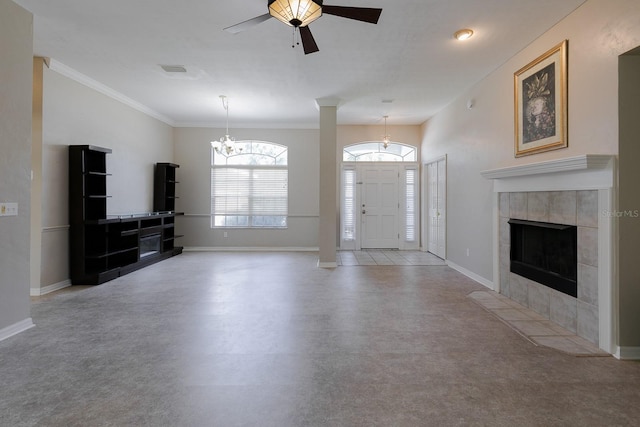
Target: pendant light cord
225, 105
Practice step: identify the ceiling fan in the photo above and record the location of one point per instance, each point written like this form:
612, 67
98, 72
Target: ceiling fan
300, 13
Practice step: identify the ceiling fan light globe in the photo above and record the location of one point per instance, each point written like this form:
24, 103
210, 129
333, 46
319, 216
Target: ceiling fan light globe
296, 13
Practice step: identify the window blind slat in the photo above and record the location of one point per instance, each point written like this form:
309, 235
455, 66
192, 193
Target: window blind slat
410, 208
258, 191
349, 196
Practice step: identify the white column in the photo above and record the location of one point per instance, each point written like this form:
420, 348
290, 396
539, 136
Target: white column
36, 178
328, 229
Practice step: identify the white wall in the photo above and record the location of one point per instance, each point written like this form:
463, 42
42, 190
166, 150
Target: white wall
76, 114
482, 138
193, 154
16, 69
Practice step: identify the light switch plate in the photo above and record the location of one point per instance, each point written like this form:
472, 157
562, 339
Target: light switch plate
8, 209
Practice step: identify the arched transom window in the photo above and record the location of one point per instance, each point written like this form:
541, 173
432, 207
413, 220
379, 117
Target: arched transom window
375, 151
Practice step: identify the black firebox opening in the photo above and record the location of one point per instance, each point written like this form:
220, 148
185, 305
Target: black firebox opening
545, 253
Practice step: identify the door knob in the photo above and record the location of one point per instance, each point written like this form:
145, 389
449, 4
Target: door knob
364, 211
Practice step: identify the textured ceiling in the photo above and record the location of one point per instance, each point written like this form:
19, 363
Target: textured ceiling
410, 57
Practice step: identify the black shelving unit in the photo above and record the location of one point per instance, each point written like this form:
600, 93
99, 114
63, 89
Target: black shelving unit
164, 187
164, 200
104, 247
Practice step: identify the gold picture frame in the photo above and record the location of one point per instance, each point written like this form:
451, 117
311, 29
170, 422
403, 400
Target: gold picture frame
540, 92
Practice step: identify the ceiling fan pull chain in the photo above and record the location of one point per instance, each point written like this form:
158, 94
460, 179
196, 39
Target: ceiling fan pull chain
295, 40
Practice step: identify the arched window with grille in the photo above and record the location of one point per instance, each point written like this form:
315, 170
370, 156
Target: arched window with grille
249, 187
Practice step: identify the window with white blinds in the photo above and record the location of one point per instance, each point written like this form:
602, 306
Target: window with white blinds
349, 204
411, 176
247, 191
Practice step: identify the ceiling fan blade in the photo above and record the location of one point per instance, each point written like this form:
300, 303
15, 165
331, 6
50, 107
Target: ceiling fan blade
245, 25
308, 42
364, 14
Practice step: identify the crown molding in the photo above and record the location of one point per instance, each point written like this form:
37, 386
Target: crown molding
85, 80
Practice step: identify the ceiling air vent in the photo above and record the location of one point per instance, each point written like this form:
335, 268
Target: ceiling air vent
174, 68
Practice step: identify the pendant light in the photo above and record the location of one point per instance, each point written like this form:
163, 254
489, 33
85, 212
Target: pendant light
227, 144
386, 139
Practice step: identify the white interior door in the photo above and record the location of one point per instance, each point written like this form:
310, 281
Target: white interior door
380, 207
436, 207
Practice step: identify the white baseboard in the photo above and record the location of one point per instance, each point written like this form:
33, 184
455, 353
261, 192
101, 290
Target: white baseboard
470, 274
247, 249
51, 288
16, 328
327, 264
628, 353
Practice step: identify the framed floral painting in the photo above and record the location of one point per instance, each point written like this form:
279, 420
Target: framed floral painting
541, 103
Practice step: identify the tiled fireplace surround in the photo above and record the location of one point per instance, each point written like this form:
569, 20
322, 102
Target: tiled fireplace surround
579, 315
575, 191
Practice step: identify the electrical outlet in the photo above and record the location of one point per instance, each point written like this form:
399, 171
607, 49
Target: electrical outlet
225, 234
8, 209
467, 251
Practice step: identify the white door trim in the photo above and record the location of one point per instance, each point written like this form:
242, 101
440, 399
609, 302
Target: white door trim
425, 206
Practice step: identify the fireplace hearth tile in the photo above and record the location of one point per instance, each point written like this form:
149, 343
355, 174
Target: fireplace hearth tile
493, 304
596, 351
510, 313
535, 328
570, 346
559, 330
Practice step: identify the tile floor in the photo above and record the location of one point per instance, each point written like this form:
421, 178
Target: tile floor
387, 257
269, 339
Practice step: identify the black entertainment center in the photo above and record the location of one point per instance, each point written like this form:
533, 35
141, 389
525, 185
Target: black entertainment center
103, 247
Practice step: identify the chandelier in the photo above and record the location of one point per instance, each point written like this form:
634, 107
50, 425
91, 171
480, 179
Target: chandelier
226, 144
386, 139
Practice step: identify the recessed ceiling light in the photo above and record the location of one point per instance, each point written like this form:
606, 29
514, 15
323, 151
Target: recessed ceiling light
463, 34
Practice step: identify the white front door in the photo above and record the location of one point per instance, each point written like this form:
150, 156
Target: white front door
436, 207
380, 206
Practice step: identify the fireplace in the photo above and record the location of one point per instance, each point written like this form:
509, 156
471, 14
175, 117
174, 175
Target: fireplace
574, 191
546, 253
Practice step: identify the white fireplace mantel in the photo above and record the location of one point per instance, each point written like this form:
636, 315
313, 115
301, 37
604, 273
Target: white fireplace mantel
585, 172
